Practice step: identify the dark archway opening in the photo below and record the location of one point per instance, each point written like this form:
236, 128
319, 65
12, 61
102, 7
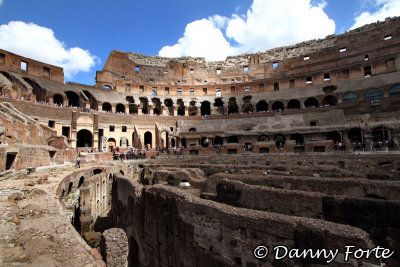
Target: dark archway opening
232, 106
263, 138
247, 107
294, 104
169, 104
279, 141
120, 108
205, 109
354, 135
219, 106
73, 99
262, 106
233, 139
58, 99
334, 136
148, 139
311, 103
278, 106
157, 106
145, 105
330, 100
192, 108
380, 134
218, 140
84, 138
133, 255
181, 107
205, 142
106, 107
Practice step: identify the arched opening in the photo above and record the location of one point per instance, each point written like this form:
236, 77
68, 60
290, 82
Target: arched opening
205, 142
279, 141
218, 140
192, 108
84, 138
120, 108
133, 138
157, 106
111, 143
148, 139
294, 104
233, 139
232, 106
394, 90
330, 100
263, 138
373, 94
219, 106
277, 106
106, 107
133, 108
354, 135
298, 138
181, 107
247, 107
311, 103
205, 108
58, 99
349, 97
169, 104
73, 99
108, 87
192, 130
262, 106
145, 105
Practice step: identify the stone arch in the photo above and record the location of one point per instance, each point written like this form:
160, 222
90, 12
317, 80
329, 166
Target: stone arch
294, 104
380, 134
168, 132
232, 106
192, 110
334, 136
106, 107
373, 94
92, 100
233, 139
262, 105
170, 106
278, 106
181, 107
311, 102
84, 138
157, 106
247, 106
73, 99
205, 108
58, 99
394, 90
120, 108
133, 108
330, 100
218, 140
148, 139
108, 87
263, 138
204, 142
38, 91
350, 97
219, 106
145, 105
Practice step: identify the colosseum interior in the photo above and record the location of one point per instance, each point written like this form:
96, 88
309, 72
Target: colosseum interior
186, 162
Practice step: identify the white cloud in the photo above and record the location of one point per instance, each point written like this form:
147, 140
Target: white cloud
39, 43
202, 38
386, 8
1, 2
267, 24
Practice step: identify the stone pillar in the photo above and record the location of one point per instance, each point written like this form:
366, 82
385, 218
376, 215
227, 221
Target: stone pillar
140, 109
368, 142
396, 141
175, 110
114, 247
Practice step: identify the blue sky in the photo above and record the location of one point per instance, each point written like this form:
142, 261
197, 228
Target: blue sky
79, 35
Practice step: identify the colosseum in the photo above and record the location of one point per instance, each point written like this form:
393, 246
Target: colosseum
288, 157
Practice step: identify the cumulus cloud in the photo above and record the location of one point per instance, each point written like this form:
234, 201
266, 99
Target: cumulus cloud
385, 8
39, 43
202, 38
267, 24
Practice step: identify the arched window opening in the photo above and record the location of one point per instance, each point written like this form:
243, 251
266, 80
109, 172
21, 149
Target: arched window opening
84, 138
294, 104
181, 107
232, 106
330, 100
350, 97
148, 139
205, 142
394, 90
205, 109
354, 135
58, 99
73, 99
218, 140
145, 105
169, 104
262, 106
278, 106
381, 135
233, 139
373, 94
311, 103
108, 87
120, 108
263, 138
192, 108
106, 107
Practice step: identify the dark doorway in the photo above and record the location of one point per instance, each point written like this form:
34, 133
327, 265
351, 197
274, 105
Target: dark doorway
10, 159
84, 138
148, 139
